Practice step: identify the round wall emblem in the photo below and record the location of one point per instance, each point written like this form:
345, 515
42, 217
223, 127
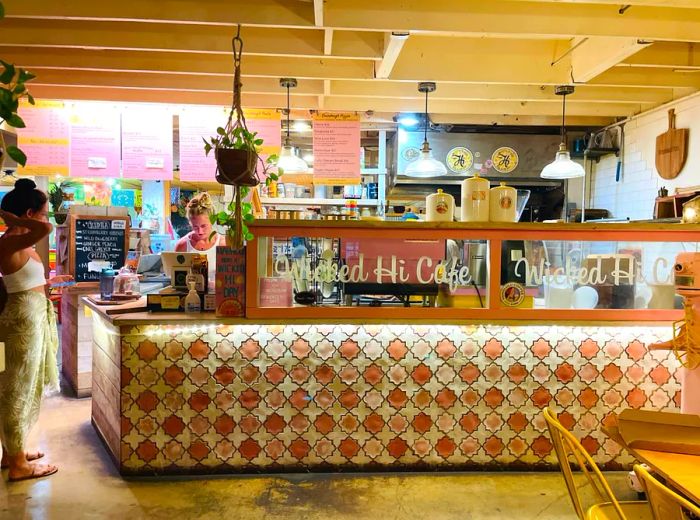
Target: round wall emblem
512, 294
504, 159
459, 159
411, 153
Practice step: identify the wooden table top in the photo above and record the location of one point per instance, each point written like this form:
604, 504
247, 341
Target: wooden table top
680, 470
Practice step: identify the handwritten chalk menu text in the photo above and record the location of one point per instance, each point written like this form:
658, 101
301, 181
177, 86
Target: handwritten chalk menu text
97, 243
230, 281
336, 148
45, 139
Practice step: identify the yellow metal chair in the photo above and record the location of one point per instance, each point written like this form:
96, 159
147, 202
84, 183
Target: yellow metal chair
665, 503
570, 451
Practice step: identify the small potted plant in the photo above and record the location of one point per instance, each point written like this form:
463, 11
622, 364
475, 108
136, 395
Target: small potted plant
57, 196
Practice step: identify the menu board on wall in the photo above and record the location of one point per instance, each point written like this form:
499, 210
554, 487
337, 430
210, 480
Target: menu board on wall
268, 124
95, 140
336, 148
147, 143
45, 139
197, 123
96, 242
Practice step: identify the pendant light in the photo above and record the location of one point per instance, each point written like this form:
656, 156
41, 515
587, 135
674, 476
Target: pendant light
288, 160
426, 165
563, 167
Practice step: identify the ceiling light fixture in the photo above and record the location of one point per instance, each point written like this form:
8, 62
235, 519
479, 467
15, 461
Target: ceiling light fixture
408, 120
288, 160
563, 167
425, 165
301, 126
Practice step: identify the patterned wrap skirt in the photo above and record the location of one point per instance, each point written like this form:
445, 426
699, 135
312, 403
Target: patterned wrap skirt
28, 330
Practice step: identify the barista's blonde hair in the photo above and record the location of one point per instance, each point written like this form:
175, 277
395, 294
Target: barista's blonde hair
200, 204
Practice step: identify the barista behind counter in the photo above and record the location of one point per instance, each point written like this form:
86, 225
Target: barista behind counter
200, 239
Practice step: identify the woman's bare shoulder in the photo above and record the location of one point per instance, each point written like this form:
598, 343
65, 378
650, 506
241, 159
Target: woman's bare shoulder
181, 244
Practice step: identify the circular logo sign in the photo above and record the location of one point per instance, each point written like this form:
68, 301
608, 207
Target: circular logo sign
504, 159
459, 159
506, 202
512, 294
441, 208
411, 153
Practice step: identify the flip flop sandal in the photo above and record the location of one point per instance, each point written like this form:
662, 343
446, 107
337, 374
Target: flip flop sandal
34, 474
33, 456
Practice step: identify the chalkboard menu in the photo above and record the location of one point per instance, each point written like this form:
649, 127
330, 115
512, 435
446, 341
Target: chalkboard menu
97, 242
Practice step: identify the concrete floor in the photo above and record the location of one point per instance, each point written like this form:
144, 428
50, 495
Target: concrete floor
88, 487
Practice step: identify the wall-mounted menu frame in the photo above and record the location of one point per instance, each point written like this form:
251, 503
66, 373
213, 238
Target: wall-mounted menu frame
95, 240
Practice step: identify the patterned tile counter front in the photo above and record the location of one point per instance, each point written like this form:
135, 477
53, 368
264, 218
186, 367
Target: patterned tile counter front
248, 398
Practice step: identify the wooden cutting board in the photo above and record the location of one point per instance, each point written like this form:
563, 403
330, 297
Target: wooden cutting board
671, 149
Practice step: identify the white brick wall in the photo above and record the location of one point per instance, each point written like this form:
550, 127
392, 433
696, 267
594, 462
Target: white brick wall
633, 197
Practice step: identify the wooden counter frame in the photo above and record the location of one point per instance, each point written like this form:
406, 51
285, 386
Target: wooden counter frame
492, 232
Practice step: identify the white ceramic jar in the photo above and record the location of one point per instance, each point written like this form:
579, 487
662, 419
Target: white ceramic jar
440, 207
502, 204
475, 199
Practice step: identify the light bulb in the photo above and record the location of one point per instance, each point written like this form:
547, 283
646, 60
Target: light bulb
408, 120
562, 167
289, 162
301, 126
426, 165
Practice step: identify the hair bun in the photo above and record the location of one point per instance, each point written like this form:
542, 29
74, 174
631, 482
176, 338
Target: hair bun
25, 185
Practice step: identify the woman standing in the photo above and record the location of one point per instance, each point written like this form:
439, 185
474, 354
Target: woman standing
200, 239
27, 328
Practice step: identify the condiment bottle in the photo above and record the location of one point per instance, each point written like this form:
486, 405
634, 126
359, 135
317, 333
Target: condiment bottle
475, 199
502, 207
193, 303
440, 207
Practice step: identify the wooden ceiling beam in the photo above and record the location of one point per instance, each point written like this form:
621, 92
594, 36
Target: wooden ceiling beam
393, 43
685, 4
268, 13
170, 96
515, 18
174, 63
499, 92
481, 107
671, 55
186, 38
593, 56
435, 58
643, 77
468, 17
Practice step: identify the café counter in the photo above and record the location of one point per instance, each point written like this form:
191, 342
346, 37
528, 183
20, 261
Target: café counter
451, 378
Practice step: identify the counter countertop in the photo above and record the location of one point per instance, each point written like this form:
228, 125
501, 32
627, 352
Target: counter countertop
128, 317
487, 226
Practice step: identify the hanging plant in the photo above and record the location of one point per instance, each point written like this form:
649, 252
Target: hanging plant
237, 153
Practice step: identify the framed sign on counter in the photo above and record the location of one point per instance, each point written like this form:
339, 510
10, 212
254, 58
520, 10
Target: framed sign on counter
96, 242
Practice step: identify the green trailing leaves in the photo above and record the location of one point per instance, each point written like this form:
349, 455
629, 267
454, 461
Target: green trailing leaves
16, 121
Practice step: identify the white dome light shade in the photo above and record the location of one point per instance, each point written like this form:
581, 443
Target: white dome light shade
425, 165
562, 167
289, 162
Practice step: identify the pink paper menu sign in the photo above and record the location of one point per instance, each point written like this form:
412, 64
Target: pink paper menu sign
336, 144
95, 147
268, 124
197, 123
276, 292
46, 138
147, 143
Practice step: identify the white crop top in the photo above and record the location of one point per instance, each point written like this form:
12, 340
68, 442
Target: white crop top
29, 276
